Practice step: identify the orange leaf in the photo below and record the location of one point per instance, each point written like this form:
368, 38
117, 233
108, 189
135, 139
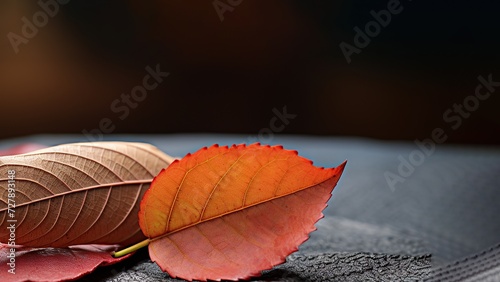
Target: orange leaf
229, 213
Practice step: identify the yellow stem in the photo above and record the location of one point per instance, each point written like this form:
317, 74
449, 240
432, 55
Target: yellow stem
131, 249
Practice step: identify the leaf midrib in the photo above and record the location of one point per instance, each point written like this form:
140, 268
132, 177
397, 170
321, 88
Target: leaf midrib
240, 209
88, 188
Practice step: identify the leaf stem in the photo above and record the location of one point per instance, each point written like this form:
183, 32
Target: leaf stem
132, 248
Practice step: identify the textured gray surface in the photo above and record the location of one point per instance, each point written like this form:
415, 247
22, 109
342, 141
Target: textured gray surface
483, 266
447, 207
327, 267
351, 267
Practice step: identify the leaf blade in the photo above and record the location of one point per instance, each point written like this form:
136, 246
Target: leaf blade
58, 264
274, 242
269, 180
79, 193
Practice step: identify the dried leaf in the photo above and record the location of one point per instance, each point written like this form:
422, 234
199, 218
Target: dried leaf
53, 264
229, 213
84, 193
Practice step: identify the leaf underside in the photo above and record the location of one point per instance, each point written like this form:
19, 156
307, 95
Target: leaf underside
229, 213
83, 193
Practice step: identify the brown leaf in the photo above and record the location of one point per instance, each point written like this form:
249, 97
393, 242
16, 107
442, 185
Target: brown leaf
84, 193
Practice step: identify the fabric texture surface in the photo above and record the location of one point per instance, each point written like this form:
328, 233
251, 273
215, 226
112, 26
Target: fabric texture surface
440, 222
483, 266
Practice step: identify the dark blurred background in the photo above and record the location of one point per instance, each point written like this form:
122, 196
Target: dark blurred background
232, 62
